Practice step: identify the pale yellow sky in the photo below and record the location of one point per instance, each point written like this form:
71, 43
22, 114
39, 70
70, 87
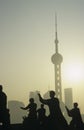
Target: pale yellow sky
27, 37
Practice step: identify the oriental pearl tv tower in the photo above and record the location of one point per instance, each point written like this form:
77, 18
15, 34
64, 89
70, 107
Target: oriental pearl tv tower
57, 59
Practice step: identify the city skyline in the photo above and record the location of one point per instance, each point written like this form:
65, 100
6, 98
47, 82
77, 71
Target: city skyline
27, 43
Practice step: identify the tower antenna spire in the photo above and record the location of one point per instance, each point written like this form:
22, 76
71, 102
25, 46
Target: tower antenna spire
56, 36
56, 22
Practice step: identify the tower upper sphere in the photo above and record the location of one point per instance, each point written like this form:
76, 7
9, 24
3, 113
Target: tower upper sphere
57, 58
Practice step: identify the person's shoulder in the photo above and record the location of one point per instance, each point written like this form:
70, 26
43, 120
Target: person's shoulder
56, 98
3, 93
72, 110
35, 104
78, 109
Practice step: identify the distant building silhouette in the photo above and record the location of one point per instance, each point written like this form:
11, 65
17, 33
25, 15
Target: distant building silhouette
82, 117
46, 95
16, 114
57, 60
68, 97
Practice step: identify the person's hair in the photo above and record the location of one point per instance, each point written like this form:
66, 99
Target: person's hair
52, 92
75, 104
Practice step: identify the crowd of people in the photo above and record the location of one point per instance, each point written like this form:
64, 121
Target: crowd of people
37, 119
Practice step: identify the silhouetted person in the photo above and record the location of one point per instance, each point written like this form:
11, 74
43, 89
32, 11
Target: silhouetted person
30, 122
56, 119
3, 99
4, 112
31, 107
41, 114
76, 121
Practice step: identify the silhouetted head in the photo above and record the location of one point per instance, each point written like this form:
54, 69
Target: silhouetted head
52, 94
1, 88
31, 100
75, 105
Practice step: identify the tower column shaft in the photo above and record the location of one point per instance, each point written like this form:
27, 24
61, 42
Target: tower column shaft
58, 87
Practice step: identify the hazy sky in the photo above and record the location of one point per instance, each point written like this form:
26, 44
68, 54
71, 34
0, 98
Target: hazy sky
27, 34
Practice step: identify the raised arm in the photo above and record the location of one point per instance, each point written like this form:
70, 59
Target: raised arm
44, 101
68, 111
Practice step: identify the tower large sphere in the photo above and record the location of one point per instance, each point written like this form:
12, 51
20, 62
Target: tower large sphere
57, 58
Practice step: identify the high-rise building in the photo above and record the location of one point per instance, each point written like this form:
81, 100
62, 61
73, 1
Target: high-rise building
57, 60
68, 97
